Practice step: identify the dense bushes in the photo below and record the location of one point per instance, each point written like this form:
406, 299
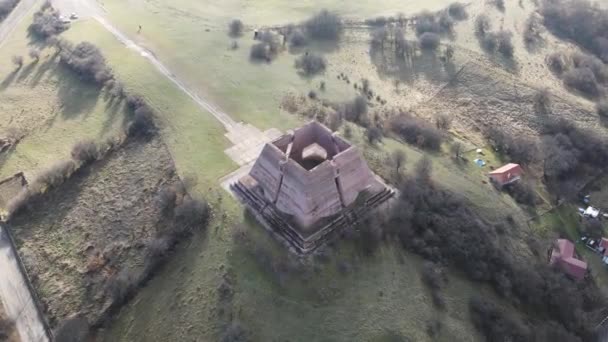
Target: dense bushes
567, 148
310, 64
324, 25
268, 47
420, 220
47, 22
429, 40
85, 151
587, 74
6, 6
416, 131
88, 62
520, 149
581, 21
495, 324
458, 11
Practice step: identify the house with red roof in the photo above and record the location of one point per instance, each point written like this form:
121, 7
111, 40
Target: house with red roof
562, 257
506, 174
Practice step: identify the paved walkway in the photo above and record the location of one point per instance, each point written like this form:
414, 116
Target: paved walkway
15, 296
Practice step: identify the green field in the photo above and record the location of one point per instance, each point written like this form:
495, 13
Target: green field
49, 106
380, 296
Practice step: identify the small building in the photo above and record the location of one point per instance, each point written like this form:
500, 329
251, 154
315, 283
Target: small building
506, 174
562, 257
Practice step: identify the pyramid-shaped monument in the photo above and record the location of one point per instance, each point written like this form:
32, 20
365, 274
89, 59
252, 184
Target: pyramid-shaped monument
308, 184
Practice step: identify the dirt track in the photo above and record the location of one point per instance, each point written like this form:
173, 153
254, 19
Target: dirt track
16, 298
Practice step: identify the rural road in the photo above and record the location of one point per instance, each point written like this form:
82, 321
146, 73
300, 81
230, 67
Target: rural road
15, 296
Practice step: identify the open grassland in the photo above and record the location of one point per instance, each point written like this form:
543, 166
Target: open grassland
182, 300
90, 228
48, 106
194, 137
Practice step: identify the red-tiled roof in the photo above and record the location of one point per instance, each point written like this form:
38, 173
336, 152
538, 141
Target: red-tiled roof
563, 256
505, 168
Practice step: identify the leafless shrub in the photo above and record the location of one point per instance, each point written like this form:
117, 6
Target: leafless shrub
356, 111
542, 102
482, 25
520, 149
500, 5
495, 324
583, 80
532, 30
458, 11
34, 54
54, 175
505, 46
443, 121
17, 60
581, 21
167, 198
235, 28
523, 191
374, 135
191, 214
416, 131
456, 150
235, 332
558, 62
297, 39
121, 286
311, 64
429, 40
85, 151
324, 25
424, 169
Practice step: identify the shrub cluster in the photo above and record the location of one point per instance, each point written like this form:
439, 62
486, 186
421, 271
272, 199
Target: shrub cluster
86, 60
311, 64
567, 148
520, 149
579, 20
324, 25
142, 123
47, 22
267, 48
416, 131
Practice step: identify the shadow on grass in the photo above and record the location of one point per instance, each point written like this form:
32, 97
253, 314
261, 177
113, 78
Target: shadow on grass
76, 97
8, 80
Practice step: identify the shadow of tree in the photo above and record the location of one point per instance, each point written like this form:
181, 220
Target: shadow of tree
25, 72
76, 97
8, 80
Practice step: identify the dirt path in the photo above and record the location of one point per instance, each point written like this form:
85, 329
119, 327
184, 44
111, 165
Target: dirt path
90, 9
15, 296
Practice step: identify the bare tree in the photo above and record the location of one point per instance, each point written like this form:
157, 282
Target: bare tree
235, 28
424, 168
18, 61
542, 102
443, 121
398, 157
34, 54
456, 149
482, 25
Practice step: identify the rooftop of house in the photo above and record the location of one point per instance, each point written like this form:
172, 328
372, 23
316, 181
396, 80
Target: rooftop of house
505, 168
563, 255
